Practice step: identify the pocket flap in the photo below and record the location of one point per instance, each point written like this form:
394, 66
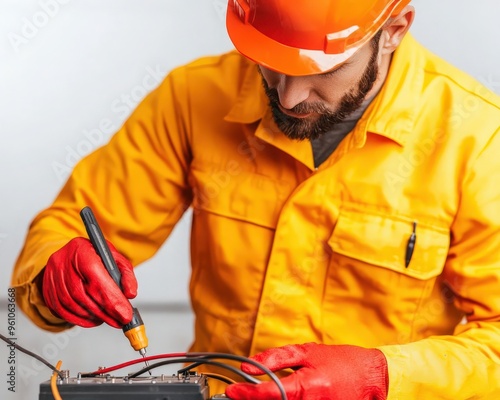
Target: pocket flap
382, 240
240, 195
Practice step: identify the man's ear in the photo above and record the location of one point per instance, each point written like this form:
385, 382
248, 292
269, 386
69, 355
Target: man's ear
395, 29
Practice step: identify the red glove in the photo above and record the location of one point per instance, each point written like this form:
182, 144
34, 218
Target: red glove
77, 287
322, 372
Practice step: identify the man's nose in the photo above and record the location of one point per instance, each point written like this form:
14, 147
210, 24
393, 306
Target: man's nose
292, 90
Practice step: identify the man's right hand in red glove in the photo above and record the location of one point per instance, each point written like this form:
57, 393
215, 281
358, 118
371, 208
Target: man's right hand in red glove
77, 287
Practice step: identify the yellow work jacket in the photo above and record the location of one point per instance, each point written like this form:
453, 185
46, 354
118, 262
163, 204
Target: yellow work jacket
285, 253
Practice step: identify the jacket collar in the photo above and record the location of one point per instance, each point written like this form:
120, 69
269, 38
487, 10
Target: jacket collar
391, 114
252, 105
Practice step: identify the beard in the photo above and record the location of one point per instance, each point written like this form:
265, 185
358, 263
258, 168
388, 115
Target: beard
304, 128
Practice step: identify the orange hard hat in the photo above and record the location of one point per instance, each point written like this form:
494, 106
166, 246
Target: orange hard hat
303, 37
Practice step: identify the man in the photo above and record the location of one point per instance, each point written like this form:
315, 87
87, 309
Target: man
346, 218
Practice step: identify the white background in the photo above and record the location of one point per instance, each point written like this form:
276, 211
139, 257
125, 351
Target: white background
70, 69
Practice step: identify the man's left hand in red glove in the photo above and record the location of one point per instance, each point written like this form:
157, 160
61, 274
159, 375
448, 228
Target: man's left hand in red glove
340, 372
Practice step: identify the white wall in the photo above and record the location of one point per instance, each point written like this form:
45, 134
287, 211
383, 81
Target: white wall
82, 69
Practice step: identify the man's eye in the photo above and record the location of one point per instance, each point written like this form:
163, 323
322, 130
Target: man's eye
333, 72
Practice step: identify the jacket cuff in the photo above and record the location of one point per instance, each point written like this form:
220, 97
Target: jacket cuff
30, 300
397, 365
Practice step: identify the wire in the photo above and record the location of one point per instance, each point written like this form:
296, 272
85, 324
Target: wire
31, 354
200, 357
131, 362
53, 383
219, 377
242, 374
195, 358
189, 367
204, 360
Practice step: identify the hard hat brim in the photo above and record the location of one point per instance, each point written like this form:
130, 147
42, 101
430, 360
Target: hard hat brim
277, 56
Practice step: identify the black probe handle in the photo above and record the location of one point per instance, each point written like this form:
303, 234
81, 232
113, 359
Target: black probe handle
101, 247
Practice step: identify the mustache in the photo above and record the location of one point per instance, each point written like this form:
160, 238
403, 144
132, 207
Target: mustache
301, 108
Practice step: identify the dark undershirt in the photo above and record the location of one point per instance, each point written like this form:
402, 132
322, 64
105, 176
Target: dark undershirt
326, 144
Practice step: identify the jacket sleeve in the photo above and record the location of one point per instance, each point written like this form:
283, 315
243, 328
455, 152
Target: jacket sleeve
136, 185
464, 365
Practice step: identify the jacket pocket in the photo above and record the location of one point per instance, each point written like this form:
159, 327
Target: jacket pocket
383, 241
371, 297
